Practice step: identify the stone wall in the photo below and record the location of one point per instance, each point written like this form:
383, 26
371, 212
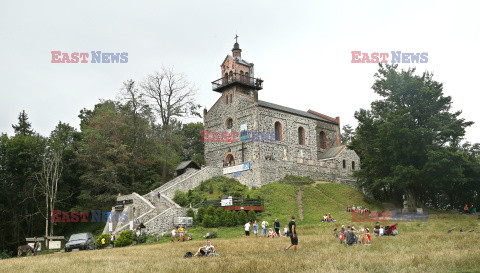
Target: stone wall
164, 221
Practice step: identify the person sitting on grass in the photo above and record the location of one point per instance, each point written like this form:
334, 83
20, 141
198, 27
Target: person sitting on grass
285, 231
349, 209
207, 250
330, 218
335, 233
376, 229
190, 237
270, 233
325, 218
473, 209
350, 236
381, 231
366, 239
465, 209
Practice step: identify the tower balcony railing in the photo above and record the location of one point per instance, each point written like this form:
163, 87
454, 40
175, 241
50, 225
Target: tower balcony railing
237, 78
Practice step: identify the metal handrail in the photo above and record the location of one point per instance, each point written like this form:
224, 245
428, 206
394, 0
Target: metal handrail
237, 77
235, 202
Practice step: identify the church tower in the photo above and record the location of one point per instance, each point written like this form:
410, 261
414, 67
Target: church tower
237, 75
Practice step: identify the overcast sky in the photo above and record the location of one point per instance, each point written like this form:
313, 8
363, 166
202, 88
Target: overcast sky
301, 49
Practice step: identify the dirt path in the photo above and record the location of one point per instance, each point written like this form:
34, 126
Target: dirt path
299, 203
320, 182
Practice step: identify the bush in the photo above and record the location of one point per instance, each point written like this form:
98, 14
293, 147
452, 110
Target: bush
207, 221
180, 198
190, 213
210, 188
211, 211
242, 218
216, 221
5, 254
199, 216
98, 241
125, 238
142, 238
252, 216
234, 219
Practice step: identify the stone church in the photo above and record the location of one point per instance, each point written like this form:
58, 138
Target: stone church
253, 141
259, 142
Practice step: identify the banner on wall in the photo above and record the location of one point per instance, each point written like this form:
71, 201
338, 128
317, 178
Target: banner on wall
237, 168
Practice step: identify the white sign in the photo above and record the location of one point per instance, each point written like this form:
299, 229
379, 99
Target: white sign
39, 246
243, 127
236, 168
131, 225
226, 202
110, 226
55, 245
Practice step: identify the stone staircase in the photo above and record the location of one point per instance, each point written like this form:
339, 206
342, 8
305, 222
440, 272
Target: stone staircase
158, 214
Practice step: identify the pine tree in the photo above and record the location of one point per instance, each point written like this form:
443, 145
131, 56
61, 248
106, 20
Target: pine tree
252, 216
200, 215
242, 218
23, 127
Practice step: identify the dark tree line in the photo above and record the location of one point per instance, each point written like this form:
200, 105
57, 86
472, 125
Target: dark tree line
410, 146
123, 145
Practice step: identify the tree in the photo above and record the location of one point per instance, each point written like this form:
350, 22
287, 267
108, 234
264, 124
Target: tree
398, 137
200, 214
242, 218
192, 145
172, 97
252, 216
347, 134
23, 127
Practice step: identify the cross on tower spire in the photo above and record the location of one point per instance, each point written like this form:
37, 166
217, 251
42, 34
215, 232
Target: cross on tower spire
236, 38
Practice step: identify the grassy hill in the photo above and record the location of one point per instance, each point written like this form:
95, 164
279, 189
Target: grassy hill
420, 246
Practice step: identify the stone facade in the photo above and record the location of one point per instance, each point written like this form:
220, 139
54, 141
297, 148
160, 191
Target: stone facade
283, 140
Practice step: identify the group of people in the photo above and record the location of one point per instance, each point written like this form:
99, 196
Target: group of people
152, 196
358, 209
328, 218
265, 231
181, 231
351, 236
470, 209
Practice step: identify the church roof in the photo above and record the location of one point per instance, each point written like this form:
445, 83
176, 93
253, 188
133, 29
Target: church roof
332, 152
238, 60
293, 111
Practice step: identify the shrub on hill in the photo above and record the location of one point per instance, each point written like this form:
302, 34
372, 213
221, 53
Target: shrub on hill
125, 238
242, 218
200, 214
252, 216
98, 241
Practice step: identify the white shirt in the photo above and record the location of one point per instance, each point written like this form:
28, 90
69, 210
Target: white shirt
263, 224
247, 226
380, 232
285, 230
209, 249
173, 232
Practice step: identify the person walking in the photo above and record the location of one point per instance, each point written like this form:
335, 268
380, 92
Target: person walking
292, 226
103, 242
36, 246
174, 233
247, 230
255, 229
276, 226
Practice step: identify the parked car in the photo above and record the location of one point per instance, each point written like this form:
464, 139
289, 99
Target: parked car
80, 241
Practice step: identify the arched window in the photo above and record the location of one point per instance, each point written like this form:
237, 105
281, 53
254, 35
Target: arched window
242, 77
344, 164
229, 160
231, 98
301, 136
230, 78
247, 78
278, 131
225, 78
353, 165
226, 99
229, 123
322, 140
